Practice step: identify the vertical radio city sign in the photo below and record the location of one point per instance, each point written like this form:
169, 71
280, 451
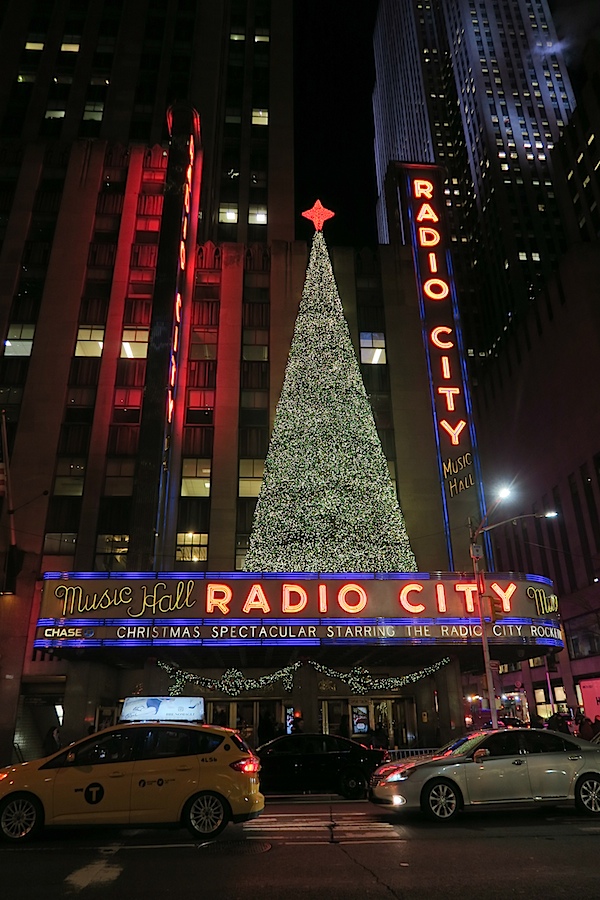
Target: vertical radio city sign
423, 200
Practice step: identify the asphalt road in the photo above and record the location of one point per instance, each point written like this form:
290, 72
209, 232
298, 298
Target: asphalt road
320, 849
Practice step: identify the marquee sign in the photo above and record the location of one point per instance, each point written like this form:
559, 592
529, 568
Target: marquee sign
233, 609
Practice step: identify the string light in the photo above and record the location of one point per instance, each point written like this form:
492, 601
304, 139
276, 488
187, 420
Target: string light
233, 682
327, 502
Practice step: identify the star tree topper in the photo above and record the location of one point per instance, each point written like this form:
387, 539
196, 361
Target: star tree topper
318, 215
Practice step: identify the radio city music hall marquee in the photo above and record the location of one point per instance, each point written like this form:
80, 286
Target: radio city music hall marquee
175, 609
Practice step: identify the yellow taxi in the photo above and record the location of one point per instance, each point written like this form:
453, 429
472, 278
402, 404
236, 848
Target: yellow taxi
199, 776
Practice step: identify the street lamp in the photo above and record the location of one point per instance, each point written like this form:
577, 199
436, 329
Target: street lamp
476, 555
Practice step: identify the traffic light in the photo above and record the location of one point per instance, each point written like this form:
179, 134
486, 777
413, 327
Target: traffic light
497, 608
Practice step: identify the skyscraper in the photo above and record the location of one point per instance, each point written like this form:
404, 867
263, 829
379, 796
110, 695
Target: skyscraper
481, 88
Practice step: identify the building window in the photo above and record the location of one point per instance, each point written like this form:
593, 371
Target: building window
135, 343
228, 213
19, 340
70, 475
260, 116
255, 344
257, 215
111, 552
93, 111
191, 548
254, 399
251, 476
204, 343
372, 348
200, 407
127, 408
60, 544
90, 341
195, 478
119, 477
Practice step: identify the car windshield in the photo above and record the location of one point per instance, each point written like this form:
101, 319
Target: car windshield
461, 746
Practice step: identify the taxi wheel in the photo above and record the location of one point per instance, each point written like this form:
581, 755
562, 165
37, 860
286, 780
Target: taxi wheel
587, 794
21, 817
441, 800
206, 815
353, 785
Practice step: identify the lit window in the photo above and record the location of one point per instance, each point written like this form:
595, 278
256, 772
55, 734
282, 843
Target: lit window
237, 36
90, 341
251, 476
261, 37
25, 78
93, 111
135, 343
522, 256
257, 215
191, 547
111, 552
372, 348
195, 478
228, 212
204, 343
60, 543
54, 114
119, 477
19, 340
69, 48
34, 45
70, 474
260, 116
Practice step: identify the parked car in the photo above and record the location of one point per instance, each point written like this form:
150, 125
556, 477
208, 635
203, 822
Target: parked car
197, 775
486, 769
507, 722
304, 763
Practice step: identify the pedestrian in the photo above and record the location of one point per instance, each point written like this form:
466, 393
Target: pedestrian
51, 742
297, 725
586, 729
596, 725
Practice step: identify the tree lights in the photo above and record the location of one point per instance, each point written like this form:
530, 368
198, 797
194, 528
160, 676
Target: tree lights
327, 503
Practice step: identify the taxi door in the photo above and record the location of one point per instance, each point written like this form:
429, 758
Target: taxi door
502, 776
165, 773
93, 786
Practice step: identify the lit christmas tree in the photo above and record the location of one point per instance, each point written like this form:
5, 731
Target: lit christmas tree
327, 503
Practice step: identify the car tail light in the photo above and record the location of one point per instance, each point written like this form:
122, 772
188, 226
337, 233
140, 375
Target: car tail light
249, 766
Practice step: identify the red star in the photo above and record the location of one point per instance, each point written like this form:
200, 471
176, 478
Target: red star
318, 214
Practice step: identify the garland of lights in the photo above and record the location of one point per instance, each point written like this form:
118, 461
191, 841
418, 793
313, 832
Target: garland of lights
233, 682
327, 502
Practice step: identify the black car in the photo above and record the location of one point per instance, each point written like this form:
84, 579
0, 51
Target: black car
304, 763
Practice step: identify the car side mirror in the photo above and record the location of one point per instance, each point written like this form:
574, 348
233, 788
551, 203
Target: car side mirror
480, 755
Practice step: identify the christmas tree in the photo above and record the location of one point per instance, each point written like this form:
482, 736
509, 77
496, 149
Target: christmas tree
327, 503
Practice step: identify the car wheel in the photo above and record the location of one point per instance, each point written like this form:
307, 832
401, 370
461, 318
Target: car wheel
21, 817
587, 794
353, 785
206, 815
441, 800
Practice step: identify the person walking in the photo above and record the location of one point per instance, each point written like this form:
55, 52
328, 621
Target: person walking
51, 742
586, 729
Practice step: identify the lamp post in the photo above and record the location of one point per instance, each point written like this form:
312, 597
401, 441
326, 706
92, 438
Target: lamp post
476, 555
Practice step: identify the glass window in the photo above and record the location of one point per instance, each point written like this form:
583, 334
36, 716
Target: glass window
255, 399
135, 343
111, 552
119, 477
90, 341
195, 478
19, 340
191, 547
70, 475
260, 116
372, 348
505, 743
60, 544
251, 476
228, 213
536, 742
255, 344
257, 215
204, 343
165, 743
114, 747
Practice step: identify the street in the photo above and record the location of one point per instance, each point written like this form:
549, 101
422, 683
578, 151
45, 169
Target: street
323, 847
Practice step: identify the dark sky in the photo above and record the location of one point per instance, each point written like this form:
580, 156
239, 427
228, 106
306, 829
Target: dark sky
334, 129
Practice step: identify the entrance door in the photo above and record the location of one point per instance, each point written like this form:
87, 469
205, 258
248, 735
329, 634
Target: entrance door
403, 723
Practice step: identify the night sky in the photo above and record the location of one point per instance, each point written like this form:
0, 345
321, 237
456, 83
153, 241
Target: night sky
334, 75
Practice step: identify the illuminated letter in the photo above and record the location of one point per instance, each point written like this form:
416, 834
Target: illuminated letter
322, 598
352, 588
450, 393
182, 255
405, 602
286, 605
218, 596
433, 263
423, 188
436, 289
256, 600
454, 432
440, 593
428, 237
504, 595
469, 591
446, 367
178, 307
170, 406
435, 337
426, 214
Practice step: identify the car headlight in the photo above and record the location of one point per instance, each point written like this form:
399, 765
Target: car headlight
398, 775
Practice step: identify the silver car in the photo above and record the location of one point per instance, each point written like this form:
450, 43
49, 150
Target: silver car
489, 768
